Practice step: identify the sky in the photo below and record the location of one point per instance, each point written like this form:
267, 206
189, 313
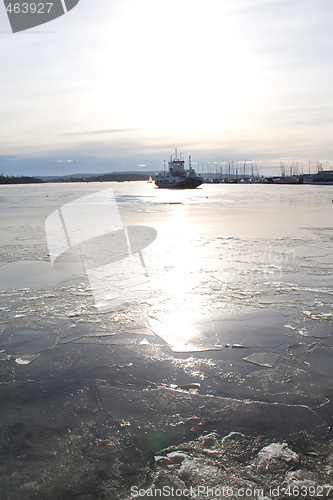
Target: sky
116, 85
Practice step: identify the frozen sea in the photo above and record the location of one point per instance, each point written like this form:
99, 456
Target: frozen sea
166, 344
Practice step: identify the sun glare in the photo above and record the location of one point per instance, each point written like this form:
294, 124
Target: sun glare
182, 69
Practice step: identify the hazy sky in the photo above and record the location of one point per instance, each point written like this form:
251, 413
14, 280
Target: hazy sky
115, 84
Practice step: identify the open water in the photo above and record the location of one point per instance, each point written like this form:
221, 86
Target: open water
166, 344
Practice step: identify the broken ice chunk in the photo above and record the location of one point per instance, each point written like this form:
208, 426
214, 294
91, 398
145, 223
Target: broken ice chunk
26, 360
276, 451
267, 359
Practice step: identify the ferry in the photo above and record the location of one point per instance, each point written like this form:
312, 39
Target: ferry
178, 177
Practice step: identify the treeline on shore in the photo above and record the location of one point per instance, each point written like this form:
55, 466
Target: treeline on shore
19, 180
112, 177
115, 177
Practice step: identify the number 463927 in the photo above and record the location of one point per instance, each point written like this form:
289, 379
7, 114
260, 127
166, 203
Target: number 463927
29, 8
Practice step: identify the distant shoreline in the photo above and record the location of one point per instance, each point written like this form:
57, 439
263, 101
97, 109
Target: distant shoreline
20, 180
112, 177
321, 178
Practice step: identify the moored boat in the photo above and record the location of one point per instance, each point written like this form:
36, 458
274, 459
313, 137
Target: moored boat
323, 177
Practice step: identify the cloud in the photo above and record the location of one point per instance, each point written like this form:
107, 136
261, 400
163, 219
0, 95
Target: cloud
109, 131
7, 157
